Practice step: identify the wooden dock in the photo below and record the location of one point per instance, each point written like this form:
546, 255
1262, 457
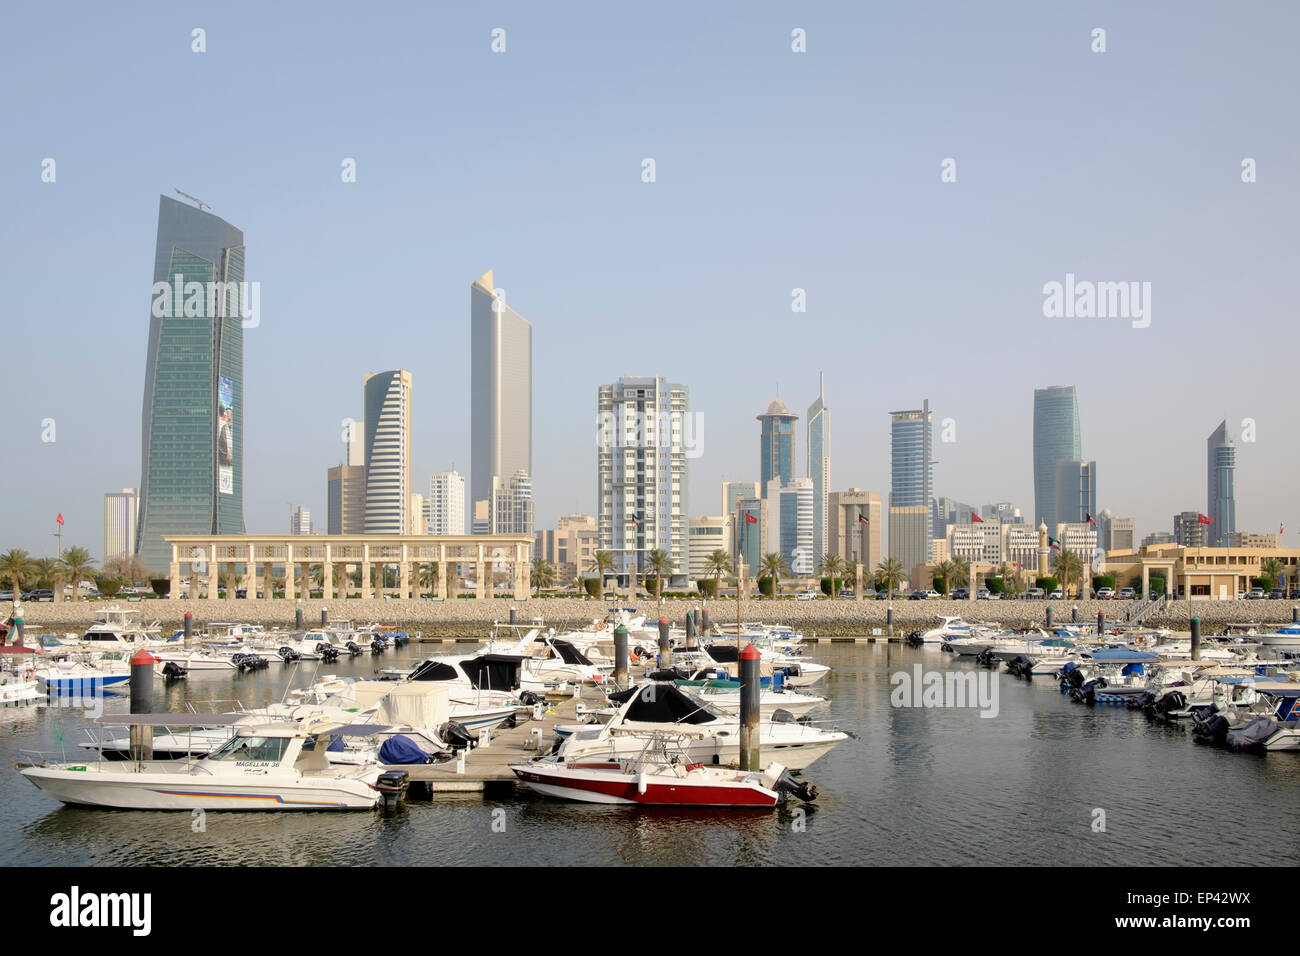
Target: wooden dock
490, 766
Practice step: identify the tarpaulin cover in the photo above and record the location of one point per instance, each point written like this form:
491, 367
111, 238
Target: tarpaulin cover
399, 749
1253, 734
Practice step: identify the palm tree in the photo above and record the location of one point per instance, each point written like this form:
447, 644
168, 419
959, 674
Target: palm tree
717, 564
542, 574
774, 565
229, 579
852, 568
1067, 565
960, 573
660, 561
1010, 582
47, 572
890, 573
832, 564
77, 564
1271, 568
944, 571
16, 566
602, 562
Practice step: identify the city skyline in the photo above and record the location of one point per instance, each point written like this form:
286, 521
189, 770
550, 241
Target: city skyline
592, 249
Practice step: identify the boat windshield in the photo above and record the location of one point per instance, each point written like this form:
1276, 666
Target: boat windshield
252, 748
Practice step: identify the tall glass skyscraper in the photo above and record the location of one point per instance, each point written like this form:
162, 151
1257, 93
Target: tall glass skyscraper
777, 445
1056, 439
819, 470
1221, 503
911, 488
388, 451
192, 451
501, 391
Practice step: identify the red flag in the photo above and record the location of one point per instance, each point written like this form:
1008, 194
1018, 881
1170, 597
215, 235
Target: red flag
750, 519
59, 519
1201, 519
976, 518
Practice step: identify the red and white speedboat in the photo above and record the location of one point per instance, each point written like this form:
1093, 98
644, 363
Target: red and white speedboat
660, 779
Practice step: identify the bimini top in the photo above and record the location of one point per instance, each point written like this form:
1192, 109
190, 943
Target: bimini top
665, 704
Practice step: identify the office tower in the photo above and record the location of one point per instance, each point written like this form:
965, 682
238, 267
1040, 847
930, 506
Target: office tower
501, 391
388, 451
300, 521
481, 523
776, 443
446, 503
416, 514
707, 533
1056, 439
749, 536
1076, 491
733, 492
1221, 503
819, 469
192, 461
794, 526
121, 511
1190, 531
909, 535
1003, 511
346, 513
851, 537
356, 442
1117, 534
642, 472
946, 511
911, 471
512, 504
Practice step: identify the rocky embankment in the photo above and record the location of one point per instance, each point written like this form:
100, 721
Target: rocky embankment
469, 618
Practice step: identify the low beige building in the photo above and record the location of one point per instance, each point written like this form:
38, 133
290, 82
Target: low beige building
1200, 574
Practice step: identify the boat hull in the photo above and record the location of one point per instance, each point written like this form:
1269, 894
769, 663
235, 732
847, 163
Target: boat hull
613, 786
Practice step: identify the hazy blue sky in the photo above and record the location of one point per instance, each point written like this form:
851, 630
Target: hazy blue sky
775, 170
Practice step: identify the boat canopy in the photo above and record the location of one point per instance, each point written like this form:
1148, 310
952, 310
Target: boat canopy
665, 704
723, 653
1123, 655
568, 653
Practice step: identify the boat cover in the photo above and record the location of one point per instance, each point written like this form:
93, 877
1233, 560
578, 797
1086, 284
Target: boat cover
1253, 734
399, 749
665, 704
1123, 655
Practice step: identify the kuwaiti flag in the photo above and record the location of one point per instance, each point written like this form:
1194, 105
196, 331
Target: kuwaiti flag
1281, 529
976, 518
636, 518
1088, 518
864, 519
1054, 544
1202, 519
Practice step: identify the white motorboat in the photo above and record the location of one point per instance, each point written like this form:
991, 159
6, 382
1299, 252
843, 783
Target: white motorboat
796, 672
273, 766
473, 709
82, 674
712, 736
18, 684
119, 629
952, 627
549, 660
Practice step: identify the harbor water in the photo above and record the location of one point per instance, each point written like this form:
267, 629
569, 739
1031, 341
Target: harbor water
1044, 782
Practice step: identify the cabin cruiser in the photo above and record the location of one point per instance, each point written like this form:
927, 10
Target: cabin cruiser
725, 696
84, 673
1109, 675
468, 706
796, 671
550, 660
1284, 638
953, 628
119, 629
271, 766
713, 737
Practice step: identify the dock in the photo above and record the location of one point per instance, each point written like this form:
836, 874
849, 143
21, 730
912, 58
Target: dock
489, 767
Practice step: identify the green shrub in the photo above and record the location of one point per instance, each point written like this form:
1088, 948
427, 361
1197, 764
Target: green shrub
1048, 584
765, 586
826, 585
591, 586
995, 585
708, 587
161, 586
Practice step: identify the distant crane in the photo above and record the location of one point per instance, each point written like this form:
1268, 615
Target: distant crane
194, 199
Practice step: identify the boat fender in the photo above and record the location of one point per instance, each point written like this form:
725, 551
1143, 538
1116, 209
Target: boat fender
641, 782
29, 674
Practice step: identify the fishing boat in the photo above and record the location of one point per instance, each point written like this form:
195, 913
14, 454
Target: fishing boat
657, 776
273, 766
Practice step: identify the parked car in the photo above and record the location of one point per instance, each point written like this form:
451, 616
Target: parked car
1036, 594
806, 596
1105, 594
1255, 594
961, 594
40, 594
1057, 595
1127, 594
1295, 594
1277, 594
916, 596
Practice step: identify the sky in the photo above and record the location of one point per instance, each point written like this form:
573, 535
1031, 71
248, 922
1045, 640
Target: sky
775, 170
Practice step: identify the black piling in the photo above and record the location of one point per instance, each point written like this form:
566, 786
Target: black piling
750, 689
1049, 615
324, 616
189, 626
665, 646
297, 619
1196, 638
142, 703
1101, 623
690, 629
512, 616
620, 656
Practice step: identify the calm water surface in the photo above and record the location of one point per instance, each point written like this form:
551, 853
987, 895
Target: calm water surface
916, 786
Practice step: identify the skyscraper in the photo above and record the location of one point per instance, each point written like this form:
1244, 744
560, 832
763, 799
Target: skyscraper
911, 464
300, 521
192, 452
1076, 491
121, 513
446, 503
388, 451
1220, 498
852, 537
819, 470
501, 391
346, 513
776, 445
642, 471
1056, 439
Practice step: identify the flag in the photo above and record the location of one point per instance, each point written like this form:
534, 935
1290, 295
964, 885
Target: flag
637, 519
59, 519
864, 519
1201, 519
976, 518
1088, 518
1055, 545
750, 518
1282, 528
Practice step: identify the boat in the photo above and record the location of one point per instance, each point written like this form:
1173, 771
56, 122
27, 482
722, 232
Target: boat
87, 673
271, 766
659, 777
18, 685
796, 672
119, 629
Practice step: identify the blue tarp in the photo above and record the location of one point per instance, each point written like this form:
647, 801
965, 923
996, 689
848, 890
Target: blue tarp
398, 750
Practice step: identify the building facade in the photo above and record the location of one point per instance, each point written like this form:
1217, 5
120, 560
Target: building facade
851, 537
445, 505
300, 521
1190, 531
192, 462
501, 391
512, 504
1056, 439
642, 472
1117, 534
909, 535
1244, 539
388, 451
346, 494
911, 472
795, 508
121, 513
1220, 499
708, 533
819, 470
776, 445
1076, 490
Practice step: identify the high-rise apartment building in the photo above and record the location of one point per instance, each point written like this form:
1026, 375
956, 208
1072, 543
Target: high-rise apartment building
388, 451
445, 506
300, 521
192, 461
121, 513
911, 473
501, 392
1190, 531
512, 504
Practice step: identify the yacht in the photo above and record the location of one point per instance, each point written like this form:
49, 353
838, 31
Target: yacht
120, 630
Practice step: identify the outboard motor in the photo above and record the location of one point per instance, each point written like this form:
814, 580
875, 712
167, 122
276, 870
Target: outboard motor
914, 639
985, 658
1213, 730
173, 671
1087, 693
328, 652
1145, 701
786, 784
946, 647
1020, 666
530, 698
376, 646
392, 786
455, 736
1071, 679
353, 648
1174, 700
288, 654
